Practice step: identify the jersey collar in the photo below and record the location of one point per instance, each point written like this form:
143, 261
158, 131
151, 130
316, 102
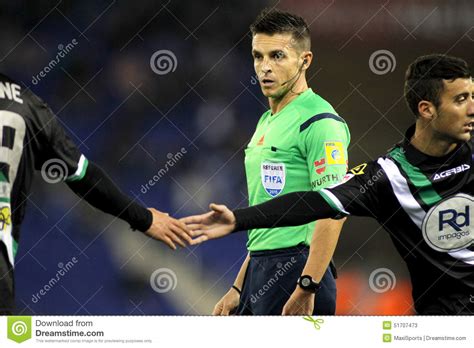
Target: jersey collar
417, 157
291, 104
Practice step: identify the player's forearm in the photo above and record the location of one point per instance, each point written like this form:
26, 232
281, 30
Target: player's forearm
293, 209
239, 280
102, 193
323, 244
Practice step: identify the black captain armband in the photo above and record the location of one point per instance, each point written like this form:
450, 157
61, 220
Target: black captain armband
100, 191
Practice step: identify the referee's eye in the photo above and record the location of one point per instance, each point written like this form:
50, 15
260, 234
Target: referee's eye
278, 55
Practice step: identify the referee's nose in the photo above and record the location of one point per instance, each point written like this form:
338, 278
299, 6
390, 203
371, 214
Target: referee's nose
266, 66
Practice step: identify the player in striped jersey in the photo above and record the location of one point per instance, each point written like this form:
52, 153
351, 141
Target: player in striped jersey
421, 192
31, 138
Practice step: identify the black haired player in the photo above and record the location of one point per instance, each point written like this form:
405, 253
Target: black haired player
422, 192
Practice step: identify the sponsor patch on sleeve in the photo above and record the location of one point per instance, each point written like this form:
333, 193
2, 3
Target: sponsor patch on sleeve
320, 166
334, 152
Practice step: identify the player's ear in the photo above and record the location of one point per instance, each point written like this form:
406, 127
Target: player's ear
426, 110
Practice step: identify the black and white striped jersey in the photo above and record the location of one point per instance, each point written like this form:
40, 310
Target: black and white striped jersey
31, 138
427, 206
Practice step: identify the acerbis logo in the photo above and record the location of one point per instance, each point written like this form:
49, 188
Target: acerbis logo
447, 225
451, 171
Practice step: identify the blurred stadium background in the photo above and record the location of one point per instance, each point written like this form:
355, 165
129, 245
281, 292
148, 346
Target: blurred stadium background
131, 121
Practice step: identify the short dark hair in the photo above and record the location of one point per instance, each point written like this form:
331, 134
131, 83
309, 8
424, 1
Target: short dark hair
424, 78
271, 21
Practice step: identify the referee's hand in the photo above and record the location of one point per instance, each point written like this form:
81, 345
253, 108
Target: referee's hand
228, 303
168, 230
301, 302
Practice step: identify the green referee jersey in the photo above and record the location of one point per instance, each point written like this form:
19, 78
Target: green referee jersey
303, 147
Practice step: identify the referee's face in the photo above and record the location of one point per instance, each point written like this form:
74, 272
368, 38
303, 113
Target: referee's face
277, 62
455, 114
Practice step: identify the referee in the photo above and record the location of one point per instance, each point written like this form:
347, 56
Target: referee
422, 191
299, 144
30, 139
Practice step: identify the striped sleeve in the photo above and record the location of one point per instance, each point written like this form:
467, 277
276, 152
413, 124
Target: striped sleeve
80, 171
55, 154
359, 192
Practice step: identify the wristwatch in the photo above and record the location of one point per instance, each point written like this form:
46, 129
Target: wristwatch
307, 283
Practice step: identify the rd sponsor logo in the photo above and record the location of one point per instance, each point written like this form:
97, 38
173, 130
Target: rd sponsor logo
447, 227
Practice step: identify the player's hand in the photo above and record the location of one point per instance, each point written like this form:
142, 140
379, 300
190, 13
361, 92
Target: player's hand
168, 230
217, 223
228, 303
301, 302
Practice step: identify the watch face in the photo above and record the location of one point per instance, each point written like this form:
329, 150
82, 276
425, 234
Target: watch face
305, 282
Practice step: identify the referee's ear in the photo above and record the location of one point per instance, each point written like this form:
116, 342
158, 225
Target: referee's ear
307, 57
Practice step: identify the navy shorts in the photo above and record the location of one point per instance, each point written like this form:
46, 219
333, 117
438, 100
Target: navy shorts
271, 279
